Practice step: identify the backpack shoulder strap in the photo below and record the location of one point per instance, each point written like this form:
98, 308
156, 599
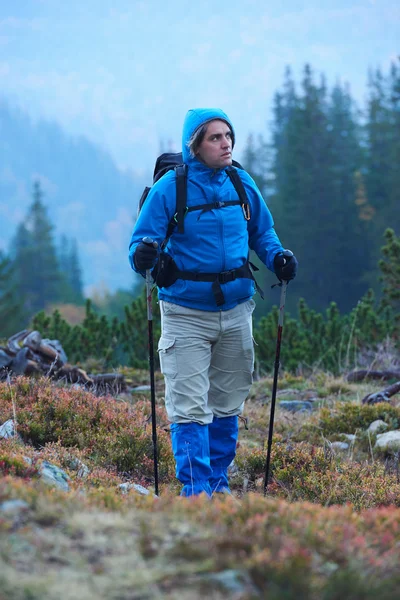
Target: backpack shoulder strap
181, 196
241, 192
181, 201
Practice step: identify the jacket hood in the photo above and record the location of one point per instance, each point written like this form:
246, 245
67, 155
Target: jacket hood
196, 117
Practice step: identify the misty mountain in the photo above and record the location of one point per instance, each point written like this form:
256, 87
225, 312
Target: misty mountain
88, 197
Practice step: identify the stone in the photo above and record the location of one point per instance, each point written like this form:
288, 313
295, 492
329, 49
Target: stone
340, 446
296, 405
233, 469
81, 469
54, 476
233, 582
377, 425
141, 388
13, 506
349, 436
7, 430
388, 441
127, 487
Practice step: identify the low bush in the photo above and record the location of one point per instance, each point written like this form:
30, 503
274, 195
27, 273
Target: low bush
303, 472
112, 433
348, 417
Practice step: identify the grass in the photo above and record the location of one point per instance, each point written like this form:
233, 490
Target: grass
329, 528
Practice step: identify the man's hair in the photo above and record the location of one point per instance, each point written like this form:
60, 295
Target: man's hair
198, 136
196, 139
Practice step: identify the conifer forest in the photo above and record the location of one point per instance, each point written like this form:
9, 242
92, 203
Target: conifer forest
329, 173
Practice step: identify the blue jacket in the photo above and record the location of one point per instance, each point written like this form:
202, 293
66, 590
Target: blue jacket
214, 240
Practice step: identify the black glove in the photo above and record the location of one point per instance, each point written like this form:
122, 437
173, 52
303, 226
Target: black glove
285, 265
145, 256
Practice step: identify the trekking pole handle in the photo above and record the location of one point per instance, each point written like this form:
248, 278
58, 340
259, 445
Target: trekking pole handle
285, 254
149, 280
149, 242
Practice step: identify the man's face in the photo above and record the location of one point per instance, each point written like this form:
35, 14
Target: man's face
216, 148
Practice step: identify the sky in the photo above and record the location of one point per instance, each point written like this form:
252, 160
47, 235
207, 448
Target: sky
124, 73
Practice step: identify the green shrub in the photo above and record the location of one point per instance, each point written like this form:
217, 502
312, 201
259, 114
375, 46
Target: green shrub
113, 433
328, 341
346, 417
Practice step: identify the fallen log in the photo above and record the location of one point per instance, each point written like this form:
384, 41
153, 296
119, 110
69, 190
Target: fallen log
365, 374
13, 342
382, 396
26, 353
72, 374
109, 382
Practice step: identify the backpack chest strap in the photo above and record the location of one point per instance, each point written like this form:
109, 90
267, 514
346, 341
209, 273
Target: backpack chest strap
213, 205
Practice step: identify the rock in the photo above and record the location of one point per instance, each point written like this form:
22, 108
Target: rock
296, 405
231, 581
388, 441
339, 446
127, 487
7, 430
81, 469
233, 469
13, 506
349, 436
377, 425
287, 392
141, 388
55, 476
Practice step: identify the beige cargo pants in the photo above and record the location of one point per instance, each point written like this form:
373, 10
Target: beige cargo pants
207, 359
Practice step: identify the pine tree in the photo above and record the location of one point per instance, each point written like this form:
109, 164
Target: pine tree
21, 246
11, 314
383, 149
390, 269
393, 212
352, 229
34, 258
256, 159
316, 157
68, 258
75, 272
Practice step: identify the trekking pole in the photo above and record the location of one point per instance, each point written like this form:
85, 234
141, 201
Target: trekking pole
283, 285
149, 288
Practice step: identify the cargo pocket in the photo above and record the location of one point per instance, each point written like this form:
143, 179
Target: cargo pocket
167, 354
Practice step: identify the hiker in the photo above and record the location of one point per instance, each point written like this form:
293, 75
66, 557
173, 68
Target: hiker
205, 290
